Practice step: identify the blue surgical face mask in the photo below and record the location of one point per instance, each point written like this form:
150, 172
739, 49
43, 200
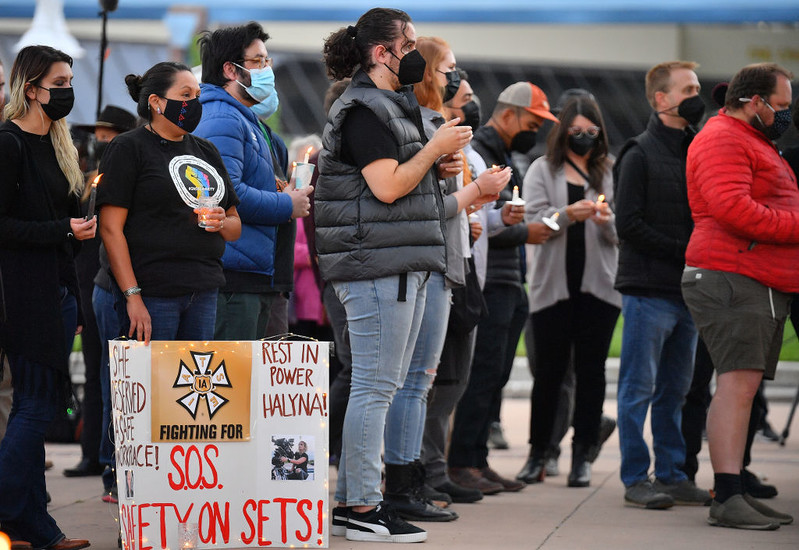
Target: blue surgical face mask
262, 90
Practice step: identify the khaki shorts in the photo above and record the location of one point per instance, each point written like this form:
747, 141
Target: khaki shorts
740, 320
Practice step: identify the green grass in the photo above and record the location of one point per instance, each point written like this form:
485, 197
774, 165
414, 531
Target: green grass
790, 343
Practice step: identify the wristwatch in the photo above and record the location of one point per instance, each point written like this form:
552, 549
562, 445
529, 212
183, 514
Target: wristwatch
131, 291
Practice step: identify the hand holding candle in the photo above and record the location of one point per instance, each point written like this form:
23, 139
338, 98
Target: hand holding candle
516, 200
93, 197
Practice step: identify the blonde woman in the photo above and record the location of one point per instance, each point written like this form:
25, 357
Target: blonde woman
41, 226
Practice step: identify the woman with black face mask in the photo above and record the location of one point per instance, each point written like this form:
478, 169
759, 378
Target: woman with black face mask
573, 304
40, 225
163, 249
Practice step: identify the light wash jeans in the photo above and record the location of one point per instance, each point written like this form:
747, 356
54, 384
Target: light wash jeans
407, 413
383, 332
657, 365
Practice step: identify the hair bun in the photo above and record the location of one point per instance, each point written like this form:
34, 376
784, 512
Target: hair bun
134, 84
352, 31
719, 93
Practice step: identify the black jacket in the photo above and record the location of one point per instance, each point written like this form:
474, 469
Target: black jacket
36, 259
653, 218
505, 265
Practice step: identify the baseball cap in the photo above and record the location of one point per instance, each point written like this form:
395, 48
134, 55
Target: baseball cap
529, 97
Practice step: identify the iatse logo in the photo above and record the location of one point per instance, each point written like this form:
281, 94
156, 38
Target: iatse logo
202, 383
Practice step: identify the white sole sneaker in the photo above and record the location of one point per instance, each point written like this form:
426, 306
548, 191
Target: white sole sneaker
371, 536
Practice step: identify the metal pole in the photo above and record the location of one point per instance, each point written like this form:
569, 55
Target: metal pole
103, 48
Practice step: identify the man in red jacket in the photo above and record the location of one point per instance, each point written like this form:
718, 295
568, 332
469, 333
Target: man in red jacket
741, 268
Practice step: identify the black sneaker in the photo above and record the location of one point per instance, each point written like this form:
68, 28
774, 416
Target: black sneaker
756, 488
382, 524
339, 521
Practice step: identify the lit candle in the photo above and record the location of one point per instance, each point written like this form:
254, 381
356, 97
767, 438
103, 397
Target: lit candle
552, 222
515, 194
555, 216
308, 154
93, 197
600, 199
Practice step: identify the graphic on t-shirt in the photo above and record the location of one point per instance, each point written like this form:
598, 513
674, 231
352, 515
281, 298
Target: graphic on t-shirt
193, 178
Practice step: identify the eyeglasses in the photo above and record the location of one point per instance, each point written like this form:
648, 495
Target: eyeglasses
591, 131
261, 62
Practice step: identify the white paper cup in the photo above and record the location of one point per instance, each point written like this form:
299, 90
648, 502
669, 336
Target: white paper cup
301, 176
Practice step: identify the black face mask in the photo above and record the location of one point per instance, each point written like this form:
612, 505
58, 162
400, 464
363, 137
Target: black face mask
523, 141
60, 105
185, 114
581, 145
692, 109
453, 83
471, 115
411, 68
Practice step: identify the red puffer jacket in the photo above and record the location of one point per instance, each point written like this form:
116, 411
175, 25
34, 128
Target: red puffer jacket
745, 204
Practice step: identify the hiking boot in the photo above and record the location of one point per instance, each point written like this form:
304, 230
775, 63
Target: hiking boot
509, 485
642, 493
768, 511
753, 486
471, 478
339, 523
459, 493
736, 512
382, 524
496, 437
684, 493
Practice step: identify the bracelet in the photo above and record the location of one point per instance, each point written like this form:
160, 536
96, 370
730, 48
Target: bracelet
478, 188
131, 291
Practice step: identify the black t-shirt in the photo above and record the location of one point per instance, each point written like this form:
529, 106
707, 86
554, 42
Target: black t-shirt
158, 181
365, 139
575, 245
304, 465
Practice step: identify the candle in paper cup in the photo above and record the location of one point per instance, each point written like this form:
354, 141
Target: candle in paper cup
301, 175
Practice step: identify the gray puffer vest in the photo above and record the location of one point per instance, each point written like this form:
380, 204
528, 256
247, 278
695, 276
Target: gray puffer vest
359, 237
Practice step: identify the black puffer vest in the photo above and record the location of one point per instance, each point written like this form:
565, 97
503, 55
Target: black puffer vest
665, 210
359, 237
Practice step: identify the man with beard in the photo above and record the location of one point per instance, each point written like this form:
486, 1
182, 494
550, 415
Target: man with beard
238, 88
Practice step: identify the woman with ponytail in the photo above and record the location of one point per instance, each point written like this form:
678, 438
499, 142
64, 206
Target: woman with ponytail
379, 234
40, 225
164, 251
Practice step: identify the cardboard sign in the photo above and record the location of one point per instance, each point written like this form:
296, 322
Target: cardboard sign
221, 444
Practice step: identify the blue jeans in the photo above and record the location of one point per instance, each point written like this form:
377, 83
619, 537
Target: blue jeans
657, 365
408, 410
188, 317
38, 394
383, 332
108, 327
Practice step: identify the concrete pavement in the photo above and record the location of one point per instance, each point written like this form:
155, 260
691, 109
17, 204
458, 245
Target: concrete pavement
546, 516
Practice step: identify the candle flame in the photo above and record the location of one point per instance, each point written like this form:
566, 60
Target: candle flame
309, 150
555, 216
97, 179
600, 198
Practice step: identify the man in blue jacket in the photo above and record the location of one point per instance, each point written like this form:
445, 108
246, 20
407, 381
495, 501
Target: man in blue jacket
238, 82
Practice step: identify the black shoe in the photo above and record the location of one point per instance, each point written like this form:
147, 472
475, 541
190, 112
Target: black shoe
580, 474
756, 488
459, 493
534, 470
425, 491
85, 468
606, 427
382, 525
339, 520
402, 493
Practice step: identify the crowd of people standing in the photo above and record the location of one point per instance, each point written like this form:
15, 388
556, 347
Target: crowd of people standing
430, 250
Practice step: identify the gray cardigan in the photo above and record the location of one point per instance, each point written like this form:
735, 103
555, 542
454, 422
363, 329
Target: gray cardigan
547, 193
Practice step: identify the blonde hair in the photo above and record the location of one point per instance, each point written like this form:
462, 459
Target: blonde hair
33, 63
658, 79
